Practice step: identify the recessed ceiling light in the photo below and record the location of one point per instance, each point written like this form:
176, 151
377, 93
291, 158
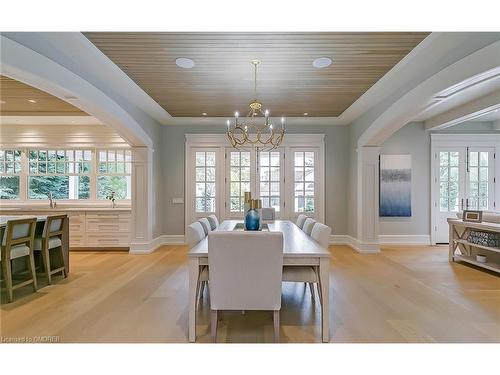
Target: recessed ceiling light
322, 62
184, 62
204, 113
306, 114
32, 100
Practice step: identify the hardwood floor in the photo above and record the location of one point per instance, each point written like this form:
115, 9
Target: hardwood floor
403, 294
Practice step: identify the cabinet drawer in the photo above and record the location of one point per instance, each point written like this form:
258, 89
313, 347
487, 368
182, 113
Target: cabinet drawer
108, 225
76, 228
76, 240
108, 215
110, 239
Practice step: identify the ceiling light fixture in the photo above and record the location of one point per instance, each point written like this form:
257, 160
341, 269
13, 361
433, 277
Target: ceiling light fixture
32, 100
204, 113
2, 102
248, 133
322, 62
306, 114
184, 62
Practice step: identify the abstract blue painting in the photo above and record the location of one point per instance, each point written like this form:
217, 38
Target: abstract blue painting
395, 186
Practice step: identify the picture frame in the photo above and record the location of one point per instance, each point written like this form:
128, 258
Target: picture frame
472, 216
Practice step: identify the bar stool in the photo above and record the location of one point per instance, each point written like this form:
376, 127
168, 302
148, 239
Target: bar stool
51, 239
17, 242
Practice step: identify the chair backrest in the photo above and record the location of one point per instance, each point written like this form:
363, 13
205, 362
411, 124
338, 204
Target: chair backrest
300, 220
19, 231
308, 226
267, 213
321, 234
195, 233
206, 225
214, 222
245, 270
54, 226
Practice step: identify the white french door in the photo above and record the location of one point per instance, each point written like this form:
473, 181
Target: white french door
464, 180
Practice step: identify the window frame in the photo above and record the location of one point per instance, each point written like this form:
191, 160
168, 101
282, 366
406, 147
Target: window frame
25, 174
219, 142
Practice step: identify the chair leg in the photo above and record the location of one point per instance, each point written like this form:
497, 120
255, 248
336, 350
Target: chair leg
7, 272
276, 321
318, 285
213, 325
198, 287
46, 264
31, 263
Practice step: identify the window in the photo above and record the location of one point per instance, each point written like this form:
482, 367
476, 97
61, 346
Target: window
239, 179
303, 181
478, 180
63, 173
448, 181
10, 169
269, 179
114, 170
205, 181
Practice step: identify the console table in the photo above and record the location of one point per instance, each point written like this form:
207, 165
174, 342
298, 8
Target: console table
459, 231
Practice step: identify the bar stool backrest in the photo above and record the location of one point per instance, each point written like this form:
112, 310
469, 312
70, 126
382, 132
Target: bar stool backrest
19, 231
54, 226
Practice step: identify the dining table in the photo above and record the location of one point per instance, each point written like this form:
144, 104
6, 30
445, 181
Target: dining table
40, 223
299, 249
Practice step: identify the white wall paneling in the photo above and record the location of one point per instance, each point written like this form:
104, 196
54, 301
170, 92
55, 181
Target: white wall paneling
368, 198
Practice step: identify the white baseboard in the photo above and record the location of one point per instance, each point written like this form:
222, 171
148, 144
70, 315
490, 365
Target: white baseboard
405, 239
335, 239
354, 243
149, 247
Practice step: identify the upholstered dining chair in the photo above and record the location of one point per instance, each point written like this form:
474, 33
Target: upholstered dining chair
206, 225
51, 240
194, 234
308, 274
214, 222
17, 242
268, 213
245, 273
300, 220
308, 226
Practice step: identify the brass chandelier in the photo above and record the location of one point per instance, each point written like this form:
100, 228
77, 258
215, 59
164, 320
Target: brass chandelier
247, 133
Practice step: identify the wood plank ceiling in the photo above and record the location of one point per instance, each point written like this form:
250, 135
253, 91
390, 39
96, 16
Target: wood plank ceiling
222, 78
17, 100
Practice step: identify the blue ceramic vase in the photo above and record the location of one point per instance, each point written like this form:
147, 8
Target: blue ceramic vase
252, 220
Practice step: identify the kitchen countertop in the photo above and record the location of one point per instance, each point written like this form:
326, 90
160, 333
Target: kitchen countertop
62, 209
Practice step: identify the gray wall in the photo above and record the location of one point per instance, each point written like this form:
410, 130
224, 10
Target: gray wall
413, 139
336, 172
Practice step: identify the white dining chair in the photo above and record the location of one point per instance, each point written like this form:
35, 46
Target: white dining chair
308, 274
245, 273
308, 226
206, 225
214, 222
195, 233
300, 220
268, 213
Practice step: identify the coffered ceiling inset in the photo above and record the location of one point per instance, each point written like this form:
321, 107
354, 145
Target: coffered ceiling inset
221, 80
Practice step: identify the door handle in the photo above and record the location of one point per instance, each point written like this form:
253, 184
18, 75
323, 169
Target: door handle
462, 204
467, 204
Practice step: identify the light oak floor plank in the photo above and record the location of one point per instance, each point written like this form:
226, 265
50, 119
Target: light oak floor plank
404, 294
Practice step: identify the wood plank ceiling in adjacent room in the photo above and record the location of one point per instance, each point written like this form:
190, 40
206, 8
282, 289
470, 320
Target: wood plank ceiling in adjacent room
222, 79
19, 99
